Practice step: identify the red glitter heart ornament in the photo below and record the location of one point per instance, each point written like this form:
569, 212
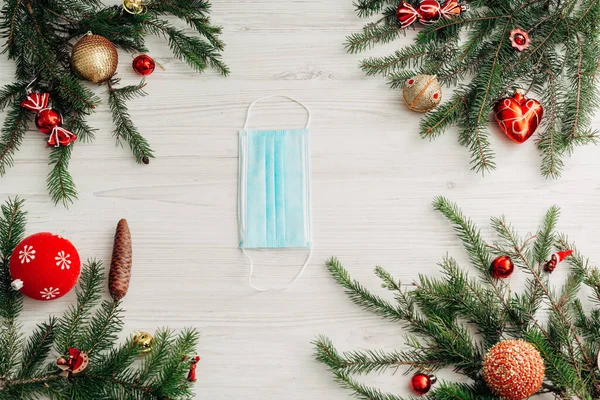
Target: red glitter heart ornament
518, 116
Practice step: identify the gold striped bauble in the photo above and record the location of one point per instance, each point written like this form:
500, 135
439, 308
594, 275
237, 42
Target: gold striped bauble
513, 369
422, 93
95, 58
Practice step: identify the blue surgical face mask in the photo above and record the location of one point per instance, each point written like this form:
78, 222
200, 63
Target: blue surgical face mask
274, 189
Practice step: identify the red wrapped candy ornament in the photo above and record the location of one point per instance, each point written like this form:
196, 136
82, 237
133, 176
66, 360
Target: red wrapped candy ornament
518, 116
143, 65
44, 266
48, 120
428, 12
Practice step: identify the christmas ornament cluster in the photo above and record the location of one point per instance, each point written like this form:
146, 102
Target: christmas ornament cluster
532, 65
46, 266
59, 45
506, 351
78, 354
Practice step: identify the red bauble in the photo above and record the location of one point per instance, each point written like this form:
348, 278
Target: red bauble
421, 383
518, 116
44, 266
502, 267
430, 12
144, 64
513, 369
48, 119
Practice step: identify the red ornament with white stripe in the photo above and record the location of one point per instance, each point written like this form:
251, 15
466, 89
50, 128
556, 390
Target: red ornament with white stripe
428, 12
48, 120
44, 266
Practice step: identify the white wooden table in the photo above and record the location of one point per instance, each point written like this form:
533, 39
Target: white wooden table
373, 182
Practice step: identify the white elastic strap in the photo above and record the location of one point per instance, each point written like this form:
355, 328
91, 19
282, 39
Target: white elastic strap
298, 275
276, 95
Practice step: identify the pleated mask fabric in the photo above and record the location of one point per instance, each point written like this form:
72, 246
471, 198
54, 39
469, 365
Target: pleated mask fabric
274, 188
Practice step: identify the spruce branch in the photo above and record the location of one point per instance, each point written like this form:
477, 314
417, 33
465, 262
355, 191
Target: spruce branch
472, 52
27, 364
11, 136
39, 39
125, 130
436, 309
60, 183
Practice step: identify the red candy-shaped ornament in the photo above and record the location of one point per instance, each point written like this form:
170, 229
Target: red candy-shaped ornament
428, 12
48, 120
518, 116
143, 65
44, 266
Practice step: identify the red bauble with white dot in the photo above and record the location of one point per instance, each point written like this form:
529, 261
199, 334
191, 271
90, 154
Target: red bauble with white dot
420, 383
44, 266
143, 65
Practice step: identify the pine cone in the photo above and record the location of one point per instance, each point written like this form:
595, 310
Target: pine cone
120, 265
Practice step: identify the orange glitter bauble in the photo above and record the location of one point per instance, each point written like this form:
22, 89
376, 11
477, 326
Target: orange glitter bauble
513, 369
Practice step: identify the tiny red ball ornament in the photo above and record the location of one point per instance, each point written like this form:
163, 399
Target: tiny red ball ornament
143, 65
502, 267
513, 369
421, 382
44, 266
48, 119
518, 116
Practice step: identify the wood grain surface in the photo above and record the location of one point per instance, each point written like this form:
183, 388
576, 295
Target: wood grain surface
373, 183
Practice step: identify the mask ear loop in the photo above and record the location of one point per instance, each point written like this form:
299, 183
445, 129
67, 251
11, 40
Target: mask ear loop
276, 95
251, 273
298, 275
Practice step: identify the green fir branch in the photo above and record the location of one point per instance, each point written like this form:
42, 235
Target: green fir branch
472, 52
28, 365
125, 130
76, 318
11, 135
437, 311
59, 182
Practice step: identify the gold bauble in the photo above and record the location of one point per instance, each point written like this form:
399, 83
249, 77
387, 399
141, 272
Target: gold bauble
422, 93
134, 6
95, 58
145, 340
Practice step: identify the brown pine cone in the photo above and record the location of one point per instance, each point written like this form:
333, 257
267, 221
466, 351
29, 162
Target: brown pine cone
120, 265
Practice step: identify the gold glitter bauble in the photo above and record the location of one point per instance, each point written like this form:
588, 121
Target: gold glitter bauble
513, 369
134, 6
422, 93
95, 58
145, 339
